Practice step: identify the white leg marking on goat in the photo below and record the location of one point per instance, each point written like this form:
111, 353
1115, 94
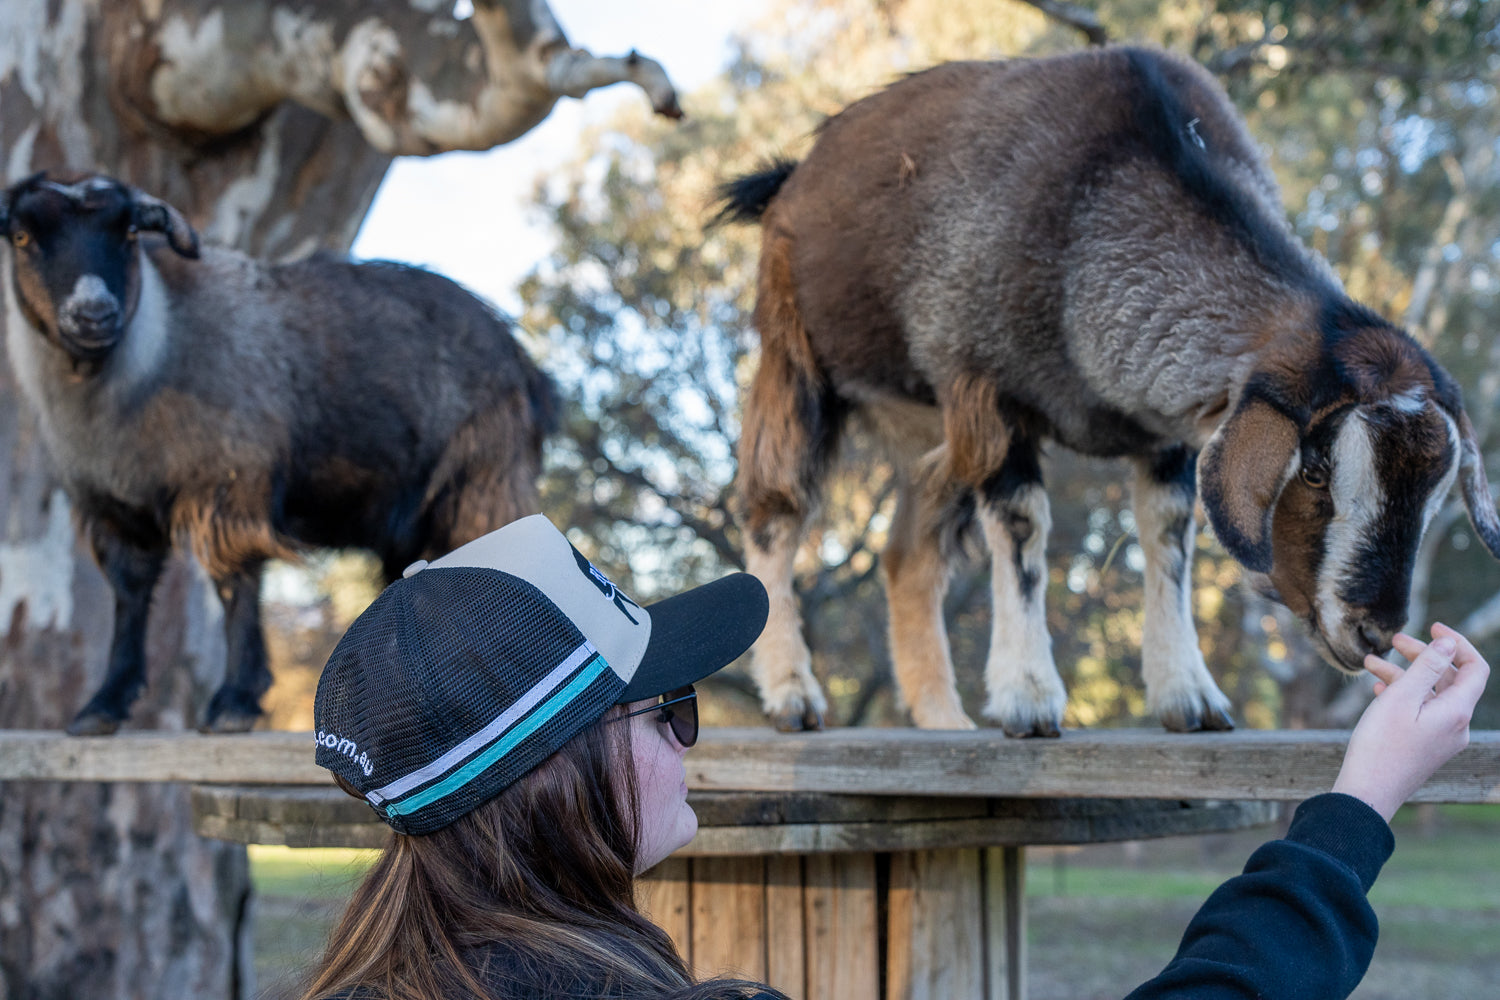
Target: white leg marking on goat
1025, 693
1358, 500
1179, 689
39, 572
780, 661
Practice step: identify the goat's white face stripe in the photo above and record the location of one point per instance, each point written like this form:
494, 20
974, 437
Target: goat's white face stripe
1414, 400
1358, 500
81, 190
88, 288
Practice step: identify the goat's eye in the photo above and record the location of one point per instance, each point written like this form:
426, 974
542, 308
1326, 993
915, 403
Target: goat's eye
132, 234
1315, 476
20, 238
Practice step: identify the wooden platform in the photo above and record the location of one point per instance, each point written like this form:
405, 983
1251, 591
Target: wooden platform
881, 863
1139, 764
885, 897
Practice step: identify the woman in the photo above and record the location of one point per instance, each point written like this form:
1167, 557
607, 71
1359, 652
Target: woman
521, 723
502, 709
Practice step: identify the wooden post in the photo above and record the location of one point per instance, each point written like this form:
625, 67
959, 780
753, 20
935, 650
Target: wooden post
841, 926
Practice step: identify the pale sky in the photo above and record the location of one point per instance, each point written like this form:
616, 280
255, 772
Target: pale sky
463, 215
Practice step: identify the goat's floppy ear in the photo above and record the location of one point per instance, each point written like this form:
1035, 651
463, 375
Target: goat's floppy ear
1241, 474
155, 215
1476, 487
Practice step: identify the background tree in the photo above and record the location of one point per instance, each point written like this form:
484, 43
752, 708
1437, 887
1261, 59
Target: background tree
1380, 122
270, 125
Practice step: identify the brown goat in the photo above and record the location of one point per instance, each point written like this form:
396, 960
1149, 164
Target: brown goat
1089, 250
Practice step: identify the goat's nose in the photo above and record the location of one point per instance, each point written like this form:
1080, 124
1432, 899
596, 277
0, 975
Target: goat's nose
1375, 638
96, 312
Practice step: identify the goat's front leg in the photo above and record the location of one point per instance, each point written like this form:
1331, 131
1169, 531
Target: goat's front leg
236, 705
1179, 689
1026, 696
132, 570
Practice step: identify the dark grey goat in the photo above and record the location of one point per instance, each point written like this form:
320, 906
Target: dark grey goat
245, 411
1090, 250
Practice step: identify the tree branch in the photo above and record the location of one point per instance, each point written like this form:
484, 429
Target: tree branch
414, 81
1075, 16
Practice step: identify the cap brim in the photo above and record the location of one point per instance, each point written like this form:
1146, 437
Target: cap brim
697, 632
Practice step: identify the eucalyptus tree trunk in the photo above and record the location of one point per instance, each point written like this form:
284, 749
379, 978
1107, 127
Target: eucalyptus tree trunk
271, 125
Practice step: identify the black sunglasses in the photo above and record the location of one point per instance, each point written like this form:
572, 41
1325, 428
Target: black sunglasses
679, 710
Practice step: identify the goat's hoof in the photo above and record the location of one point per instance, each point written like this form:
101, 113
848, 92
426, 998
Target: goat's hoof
796, 720
230, 710
954, 719
91, 723
1197, 720
1044, 728
229, 722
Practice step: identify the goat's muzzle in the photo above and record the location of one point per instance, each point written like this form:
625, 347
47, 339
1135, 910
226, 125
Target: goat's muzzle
89, 329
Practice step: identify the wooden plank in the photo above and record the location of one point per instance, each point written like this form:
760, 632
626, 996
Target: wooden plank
786, 938
1148, 764
323, 816
274, 758
843, 946
729, 917
935, 945
664, 895
1277, 765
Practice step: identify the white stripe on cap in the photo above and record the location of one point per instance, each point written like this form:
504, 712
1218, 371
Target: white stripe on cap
489, 733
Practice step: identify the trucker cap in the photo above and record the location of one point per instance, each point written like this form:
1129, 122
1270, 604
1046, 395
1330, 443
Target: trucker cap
475, 667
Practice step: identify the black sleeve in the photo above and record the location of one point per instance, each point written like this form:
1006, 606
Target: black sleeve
1295, 925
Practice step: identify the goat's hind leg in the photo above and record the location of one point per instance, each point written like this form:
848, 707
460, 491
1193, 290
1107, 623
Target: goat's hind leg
1179, 689
1026, 695
235, 707
916, 572
132, 571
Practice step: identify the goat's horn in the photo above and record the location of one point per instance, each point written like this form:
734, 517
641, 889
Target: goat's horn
157, 216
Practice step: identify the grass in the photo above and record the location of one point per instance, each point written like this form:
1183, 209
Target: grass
1101, 919
299, 893
1104, 918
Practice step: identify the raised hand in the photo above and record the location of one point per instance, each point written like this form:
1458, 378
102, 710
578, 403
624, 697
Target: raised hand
1418, 720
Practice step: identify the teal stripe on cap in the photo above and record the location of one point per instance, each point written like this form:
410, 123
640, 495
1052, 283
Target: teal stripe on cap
536, 720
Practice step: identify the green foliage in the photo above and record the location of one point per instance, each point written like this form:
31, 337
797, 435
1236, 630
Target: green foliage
1380, 122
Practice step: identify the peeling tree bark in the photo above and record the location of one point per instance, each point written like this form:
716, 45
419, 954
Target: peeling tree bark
271, 125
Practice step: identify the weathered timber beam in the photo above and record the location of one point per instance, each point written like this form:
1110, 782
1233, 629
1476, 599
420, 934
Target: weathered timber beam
1147, 764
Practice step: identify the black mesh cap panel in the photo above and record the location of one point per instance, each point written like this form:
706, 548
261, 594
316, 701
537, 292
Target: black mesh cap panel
446, 656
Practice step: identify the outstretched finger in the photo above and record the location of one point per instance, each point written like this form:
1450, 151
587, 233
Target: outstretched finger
1384, 670
1408, 646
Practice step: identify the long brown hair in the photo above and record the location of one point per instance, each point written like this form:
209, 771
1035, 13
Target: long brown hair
530, 894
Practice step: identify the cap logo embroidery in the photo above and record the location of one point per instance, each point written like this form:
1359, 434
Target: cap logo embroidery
606, 588
348, 748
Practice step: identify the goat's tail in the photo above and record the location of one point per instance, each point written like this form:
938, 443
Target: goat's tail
746, 198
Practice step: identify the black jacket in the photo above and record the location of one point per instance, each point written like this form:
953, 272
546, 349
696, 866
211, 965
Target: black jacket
1295, 925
